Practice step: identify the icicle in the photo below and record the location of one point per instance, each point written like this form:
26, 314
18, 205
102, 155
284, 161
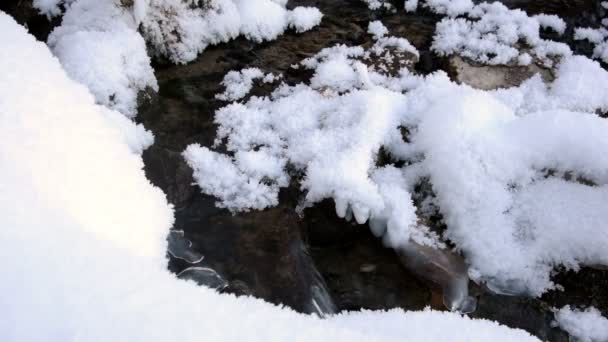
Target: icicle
341, 206
361, 213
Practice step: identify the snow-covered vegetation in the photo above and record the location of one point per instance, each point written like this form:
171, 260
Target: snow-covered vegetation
505, 165
83, 234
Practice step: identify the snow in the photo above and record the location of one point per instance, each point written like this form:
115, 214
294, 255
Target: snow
492, 34
304, 18
522, 200
598, 37
51, 8
83, 239
584, 325
239, 83
451, 8
180, 32
379, 4
99, 46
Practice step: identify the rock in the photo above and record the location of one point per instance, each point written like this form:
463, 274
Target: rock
532, 315
490, 77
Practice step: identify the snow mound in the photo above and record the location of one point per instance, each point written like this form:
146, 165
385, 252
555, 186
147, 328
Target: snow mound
99, 46
83, 234
584, 325
518, 196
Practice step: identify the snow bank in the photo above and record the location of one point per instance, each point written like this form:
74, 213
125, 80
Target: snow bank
585, 326
518, 196
82, 239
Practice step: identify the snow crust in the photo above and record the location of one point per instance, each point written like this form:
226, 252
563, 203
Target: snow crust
83, 237
518, 196
583, 325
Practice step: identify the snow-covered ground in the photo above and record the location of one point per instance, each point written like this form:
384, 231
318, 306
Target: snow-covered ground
82, 243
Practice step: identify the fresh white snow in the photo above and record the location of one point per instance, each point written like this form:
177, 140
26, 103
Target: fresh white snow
584, 325
494, 34
83, 234
99, 46
99, 42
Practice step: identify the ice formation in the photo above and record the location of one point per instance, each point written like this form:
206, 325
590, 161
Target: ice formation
83, 234
517, 195
443, 270
181, 248
583, 325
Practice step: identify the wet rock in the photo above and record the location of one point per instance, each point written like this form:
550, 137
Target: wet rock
584, 288
362, 274
490, 77
528, 314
